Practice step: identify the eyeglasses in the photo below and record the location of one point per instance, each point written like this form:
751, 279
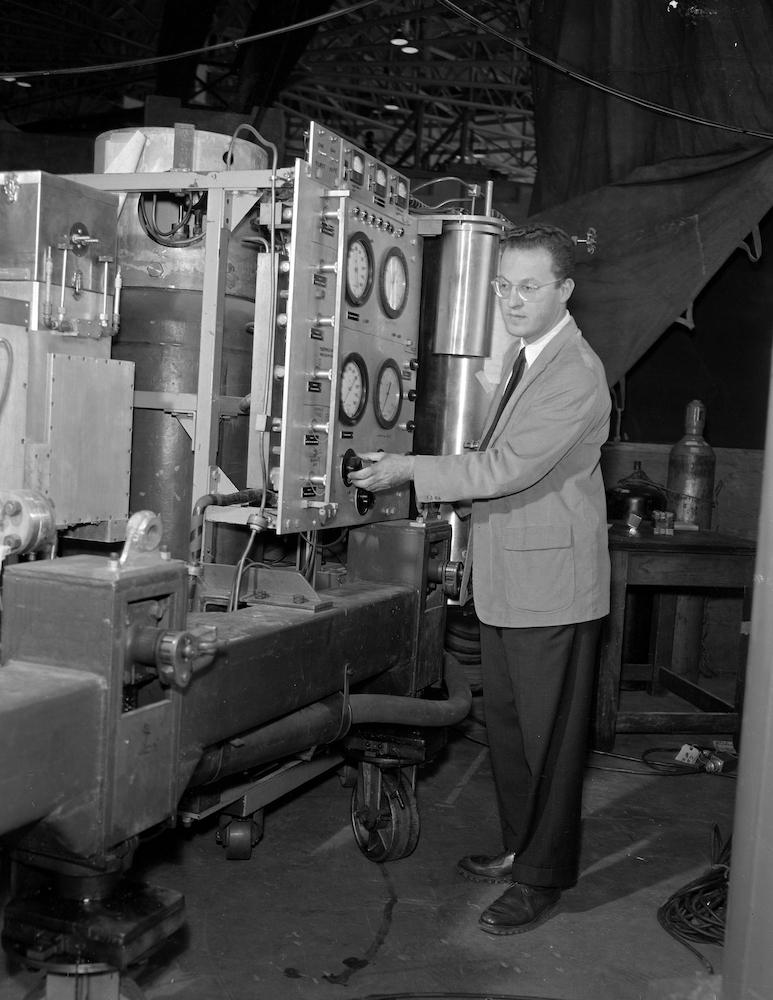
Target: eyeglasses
526, 290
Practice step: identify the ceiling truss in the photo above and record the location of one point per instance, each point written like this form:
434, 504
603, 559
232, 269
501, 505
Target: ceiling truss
455, 94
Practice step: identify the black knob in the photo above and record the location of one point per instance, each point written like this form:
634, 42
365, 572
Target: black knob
351, 462
411, 395
413, 363
363, 501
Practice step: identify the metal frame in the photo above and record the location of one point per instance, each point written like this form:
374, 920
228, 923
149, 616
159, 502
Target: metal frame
227, 190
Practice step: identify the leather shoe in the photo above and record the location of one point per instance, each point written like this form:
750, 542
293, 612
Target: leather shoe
480, 868
521, 908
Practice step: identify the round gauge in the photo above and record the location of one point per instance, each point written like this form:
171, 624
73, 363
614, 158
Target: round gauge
393, 283
389, 394
359, 269
353, 391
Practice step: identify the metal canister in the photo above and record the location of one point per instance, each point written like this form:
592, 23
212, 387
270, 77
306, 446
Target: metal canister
691, 467
456, 338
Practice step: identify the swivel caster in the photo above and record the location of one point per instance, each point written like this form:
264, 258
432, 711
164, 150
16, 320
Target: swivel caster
385, 817
239, 835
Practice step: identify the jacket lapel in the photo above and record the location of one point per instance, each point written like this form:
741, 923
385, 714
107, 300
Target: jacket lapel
533, 372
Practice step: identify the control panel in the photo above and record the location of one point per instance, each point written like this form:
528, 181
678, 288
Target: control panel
346, 339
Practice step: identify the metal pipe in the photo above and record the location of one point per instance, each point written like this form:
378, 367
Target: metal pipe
748, 964
214, 500
328, 720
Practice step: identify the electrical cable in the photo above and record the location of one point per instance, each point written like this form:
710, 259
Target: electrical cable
597, 85
697, 912
668, 769
233, 597
164, 238
450, 996
12, 75
439, 180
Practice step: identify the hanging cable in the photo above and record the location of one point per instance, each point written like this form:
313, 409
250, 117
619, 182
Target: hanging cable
157, 60
589, 82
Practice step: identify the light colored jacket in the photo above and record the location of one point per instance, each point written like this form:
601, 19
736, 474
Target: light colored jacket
539, 530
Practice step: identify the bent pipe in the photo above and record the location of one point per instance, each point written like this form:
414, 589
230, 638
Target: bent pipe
213, 500
328, 720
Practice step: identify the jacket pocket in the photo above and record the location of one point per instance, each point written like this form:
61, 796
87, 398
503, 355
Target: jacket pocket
539, 567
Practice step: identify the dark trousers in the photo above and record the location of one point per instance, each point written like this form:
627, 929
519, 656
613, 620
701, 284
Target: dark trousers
537, 688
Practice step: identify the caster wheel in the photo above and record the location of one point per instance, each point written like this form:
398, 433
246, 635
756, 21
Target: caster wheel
385, 817
238, 837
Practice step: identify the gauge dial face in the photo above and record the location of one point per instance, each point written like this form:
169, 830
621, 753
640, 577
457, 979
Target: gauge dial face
381, 179
389, 394
402, 194
359, 269
393, 285
353, 391
358, 168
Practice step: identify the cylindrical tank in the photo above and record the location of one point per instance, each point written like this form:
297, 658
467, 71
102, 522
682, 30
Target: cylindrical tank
456, 340
468, 260
456, 325
691, 466
160, 327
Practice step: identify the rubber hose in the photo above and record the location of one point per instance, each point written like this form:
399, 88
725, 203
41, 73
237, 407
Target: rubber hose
324, 722
418, 711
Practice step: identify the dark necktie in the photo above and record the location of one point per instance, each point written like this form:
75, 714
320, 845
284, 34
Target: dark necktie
515, 378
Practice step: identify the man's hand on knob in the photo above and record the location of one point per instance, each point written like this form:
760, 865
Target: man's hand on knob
385, 471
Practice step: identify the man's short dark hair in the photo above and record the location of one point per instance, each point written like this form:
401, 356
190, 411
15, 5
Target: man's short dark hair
538, 236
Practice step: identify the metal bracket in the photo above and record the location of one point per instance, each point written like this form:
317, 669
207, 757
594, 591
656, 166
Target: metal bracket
589, 240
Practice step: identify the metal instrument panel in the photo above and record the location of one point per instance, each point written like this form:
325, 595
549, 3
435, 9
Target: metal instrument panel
352, 288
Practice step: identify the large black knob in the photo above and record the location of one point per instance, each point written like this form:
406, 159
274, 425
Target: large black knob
363, 501
351, 462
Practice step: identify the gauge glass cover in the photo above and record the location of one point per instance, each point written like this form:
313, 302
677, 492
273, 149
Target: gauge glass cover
353, 391
389, 394
359, 269
394, 283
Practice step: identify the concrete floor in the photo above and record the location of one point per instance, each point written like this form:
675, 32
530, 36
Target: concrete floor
310, 918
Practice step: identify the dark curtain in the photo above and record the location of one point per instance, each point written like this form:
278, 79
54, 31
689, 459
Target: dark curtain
669, 199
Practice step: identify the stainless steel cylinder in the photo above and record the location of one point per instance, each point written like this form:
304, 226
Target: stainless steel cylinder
469, 250
456, 339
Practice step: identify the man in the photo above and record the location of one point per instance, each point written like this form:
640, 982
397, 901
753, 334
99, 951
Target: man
540, 569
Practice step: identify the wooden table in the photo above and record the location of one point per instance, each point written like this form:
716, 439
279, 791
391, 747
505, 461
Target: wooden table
686, 559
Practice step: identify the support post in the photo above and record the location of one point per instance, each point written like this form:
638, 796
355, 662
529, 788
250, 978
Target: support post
748, 963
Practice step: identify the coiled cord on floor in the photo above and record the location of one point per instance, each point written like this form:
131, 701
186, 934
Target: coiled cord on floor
450, 996
697, 912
